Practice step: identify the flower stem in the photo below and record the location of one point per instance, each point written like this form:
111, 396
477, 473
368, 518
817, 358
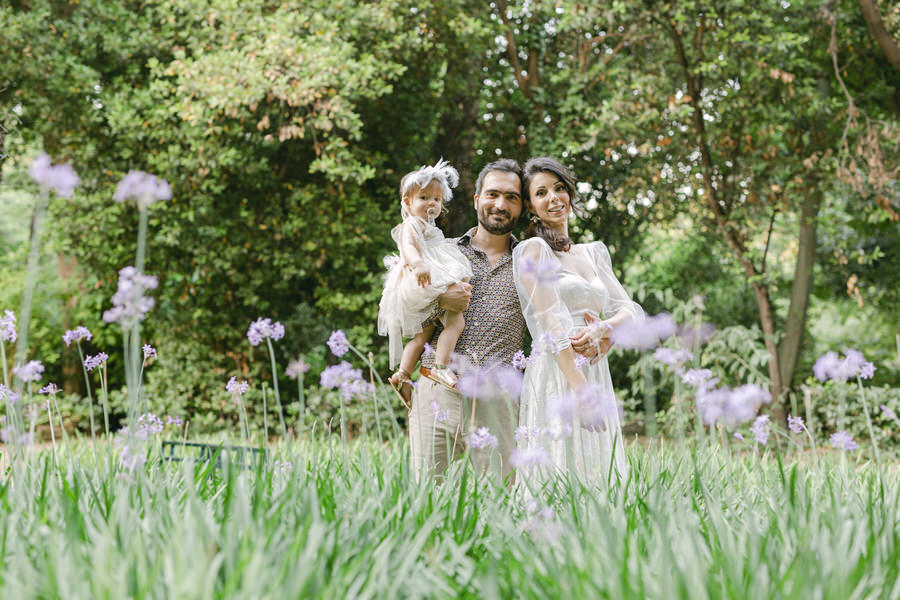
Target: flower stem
862, 395
275, 384
301, 419
87, 385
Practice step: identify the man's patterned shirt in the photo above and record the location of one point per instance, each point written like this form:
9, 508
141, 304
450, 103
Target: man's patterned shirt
495, 326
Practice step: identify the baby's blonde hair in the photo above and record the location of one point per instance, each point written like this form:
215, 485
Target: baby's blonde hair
441, 171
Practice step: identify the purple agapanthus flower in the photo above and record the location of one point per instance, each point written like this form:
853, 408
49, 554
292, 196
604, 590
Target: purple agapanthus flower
730, 407
760, 429
673, 357
533, 456
738, 436
699, 378
887, 412
692, 336
644, 334
596, 408
481, 439
332, 377
795, 424
175, 421
843, 441
581, 361
261, 329
237, 388
62, 179
519, 361
8, 395
51, 388
296, 368
149, 424
131, 458
8, 326
30, 371
130, 305
831, 366
149, 351
356, 388
524, 433
338, 343
438, 414
143, 187
92, 362
427, 350
541, 272
76, 335
490, 382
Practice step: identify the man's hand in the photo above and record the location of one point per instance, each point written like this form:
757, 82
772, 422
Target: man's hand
456, 298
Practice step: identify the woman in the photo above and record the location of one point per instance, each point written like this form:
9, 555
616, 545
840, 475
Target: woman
568, 416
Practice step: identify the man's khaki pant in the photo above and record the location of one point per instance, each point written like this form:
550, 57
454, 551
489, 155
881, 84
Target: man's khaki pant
440, 436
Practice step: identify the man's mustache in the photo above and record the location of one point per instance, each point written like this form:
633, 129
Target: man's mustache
499, 212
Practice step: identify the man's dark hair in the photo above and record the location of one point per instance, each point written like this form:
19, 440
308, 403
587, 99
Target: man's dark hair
502, 164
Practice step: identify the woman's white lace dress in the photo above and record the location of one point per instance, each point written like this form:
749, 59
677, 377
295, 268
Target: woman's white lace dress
404, 304
555, 306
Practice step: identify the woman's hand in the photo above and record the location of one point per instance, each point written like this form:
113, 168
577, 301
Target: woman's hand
593, 343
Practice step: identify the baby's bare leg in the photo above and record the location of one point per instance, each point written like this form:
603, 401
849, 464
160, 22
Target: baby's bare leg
454, 323
413, 349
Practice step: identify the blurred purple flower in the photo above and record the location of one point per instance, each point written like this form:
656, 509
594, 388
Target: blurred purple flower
795, 424
646, 334
59, 178
760, 429
581, 361
261, 329
8, 395
887, 412
50, 388
8, 326
76, 335
738, 436
692, 336
131, 459
534, 456
526, 434
338, 343
490, 382
30, 371
428, 349
356, 388
542, 272
699, 378
149, 424
296, 368
831, 366
867, 370
332, 377
149, 351
92, 362
481, 439
596, 408
843, 441
673, 357
143, 187
236, 388
175, 421
130, 306
519, 361
730, 407
437, 414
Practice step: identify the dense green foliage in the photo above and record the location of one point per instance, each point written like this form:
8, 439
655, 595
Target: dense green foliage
701, 523
705, 134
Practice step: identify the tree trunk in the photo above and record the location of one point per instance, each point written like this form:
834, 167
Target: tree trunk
879, 33
795, 325
767, 320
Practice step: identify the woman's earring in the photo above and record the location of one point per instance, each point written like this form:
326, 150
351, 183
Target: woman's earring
535, 219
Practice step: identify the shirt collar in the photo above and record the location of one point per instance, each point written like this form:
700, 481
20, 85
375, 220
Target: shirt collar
466, 239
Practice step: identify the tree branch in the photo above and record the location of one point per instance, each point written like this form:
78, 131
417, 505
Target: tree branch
512, 50
879, 33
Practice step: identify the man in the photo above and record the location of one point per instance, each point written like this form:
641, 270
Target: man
441, 420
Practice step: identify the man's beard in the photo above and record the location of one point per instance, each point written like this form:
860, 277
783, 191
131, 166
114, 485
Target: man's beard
493, 228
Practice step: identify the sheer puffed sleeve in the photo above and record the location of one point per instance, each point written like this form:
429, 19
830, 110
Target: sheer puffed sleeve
536, 273
618, 300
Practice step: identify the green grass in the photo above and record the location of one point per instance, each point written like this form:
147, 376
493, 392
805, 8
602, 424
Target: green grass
689, 523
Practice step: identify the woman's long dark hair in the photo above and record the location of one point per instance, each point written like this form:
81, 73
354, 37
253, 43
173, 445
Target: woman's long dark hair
544, 164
